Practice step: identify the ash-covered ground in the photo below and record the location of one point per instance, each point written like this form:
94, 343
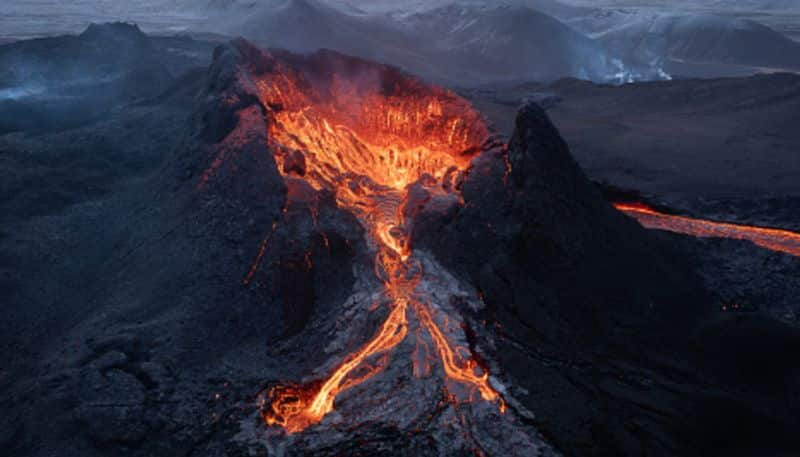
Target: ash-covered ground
128, 328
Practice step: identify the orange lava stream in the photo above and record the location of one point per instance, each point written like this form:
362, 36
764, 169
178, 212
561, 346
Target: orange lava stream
774, 239
450, 359
369, 143
391, 333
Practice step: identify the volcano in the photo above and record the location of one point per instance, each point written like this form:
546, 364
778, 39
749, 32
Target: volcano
316, 254
383, 145
372, 138
446, 229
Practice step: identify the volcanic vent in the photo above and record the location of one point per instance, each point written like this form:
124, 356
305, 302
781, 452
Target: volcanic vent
383, 144
386, 147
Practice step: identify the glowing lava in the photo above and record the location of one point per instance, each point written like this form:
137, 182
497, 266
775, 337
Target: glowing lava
370, 134
774, 239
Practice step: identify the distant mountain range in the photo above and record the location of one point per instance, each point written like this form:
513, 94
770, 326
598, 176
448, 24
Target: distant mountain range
469, 42
456, 43
722, 5
475, 41
701, 38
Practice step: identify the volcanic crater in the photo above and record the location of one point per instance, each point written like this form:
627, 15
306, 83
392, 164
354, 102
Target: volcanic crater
441, 203
385, 146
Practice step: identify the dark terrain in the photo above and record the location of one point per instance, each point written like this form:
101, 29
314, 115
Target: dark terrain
128, 330
64, 82
722, 149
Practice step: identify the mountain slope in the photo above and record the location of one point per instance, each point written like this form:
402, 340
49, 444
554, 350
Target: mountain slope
509, 42
461, 44
702, 38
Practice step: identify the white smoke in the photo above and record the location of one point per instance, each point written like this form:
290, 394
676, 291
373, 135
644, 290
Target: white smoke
624, 74
20, 92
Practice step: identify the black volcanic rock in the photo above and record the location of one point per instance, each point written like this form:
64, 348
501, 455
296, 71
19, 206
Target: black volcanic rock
543, 245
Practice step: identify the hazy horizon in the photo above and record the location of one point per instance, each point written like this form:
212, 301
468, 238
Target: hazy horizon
32, 18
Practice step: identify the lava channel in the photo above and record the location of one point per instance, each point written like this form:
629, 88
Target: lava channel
369, 135
770, 238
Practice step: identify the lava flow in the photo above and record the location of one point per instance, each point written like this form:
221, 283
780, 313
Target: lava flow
770, 238
383, 143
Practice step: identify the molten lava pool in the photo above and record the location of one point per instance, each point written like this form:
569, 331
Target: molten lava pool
774, 239
384, 144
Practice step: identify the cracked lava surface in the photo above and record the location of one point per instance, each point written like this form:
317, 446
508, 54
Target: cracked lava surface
384, 145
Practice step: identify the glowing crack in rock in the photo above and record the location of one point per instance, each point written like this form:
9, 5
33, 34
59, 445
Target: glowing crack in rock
778, 240
384, 144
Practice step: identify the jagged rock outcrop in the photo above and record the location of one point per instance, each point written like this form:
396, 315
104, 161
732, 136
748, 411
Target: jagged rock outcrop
541, 243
